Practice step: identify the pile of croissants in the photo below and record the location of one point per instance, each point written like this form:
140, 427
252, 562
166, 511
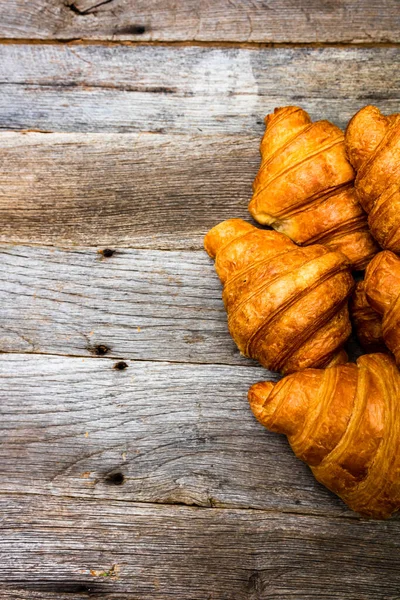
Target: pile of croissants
332, 202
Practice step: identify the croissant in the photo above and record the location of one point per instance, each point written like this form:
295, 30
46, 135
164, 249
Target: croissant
382, 288
373, 147
344, 422
286, 305
304, 187
367, 322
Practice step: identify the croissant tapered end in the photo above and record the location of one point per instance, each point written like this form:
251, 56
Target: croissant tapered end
344, 422
304, 186
284, 123
363, 134
258, 397
367, 322
222, 234
286, 305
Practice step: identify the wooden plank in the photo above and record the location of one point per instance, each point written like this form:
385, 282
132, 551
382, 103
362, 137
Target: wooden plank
54, 547
194, 20
143, 190
152, 432
193, 90
138, 304
141, 304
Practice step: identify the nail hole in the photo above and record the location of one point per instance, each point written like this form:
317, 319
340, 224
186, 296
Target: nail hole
120, 366
115, 479
131, 30
107, 252
101, 349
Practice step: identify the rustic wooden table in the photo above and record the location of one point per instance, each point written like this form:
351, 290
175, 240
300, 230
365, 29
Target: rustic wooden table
132, 467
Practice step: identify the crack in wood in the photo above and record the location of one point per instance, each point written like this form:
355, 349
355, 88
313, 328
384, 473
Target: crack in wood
75, 9
59, 587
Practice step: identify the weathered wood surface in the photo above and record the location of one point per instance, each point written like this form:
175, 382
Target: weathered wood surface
195, 90
88, 440
194, 20
137, 304
141, 304
72, 548
145, 190
151, 432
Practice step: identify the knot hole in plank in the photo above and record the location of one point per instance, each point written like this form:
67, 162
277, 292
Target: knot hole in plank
115, 478
255, 586
131, 30
99, 349
107, 252
120, 365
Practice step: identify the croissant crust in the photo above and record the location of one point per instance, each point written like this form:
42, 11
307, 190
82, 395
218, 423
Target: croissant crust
373, 147
382, 288
304, 187
286, 305
344, 422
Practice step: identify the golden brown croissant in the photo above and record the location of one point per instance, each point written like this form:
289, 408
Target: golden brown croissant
304, 187
286, 305
367, 322
382, 288
344, 422
373, 147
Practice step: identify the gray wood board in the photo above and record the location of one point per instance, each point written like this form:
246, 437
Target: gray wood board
194, 20
143, 190
194, 90
68, 548
137, 304
141, 304
152, 432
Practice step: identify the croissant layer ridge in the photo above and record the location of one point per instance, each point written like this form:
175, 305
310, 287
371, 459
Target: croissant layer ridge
373, 147
286, 305
304, 187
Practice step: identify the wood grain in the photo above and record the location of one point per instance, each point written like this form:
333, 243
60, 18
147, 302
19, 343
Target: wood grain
137, 304
196, 90
111, 550
141, 304
143, 190
152, 432
194, 20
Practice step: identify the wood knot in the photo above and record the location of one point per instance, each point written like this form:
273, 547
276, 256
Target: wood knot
107, 252
99, 349
120, 366
115, 479
255, 586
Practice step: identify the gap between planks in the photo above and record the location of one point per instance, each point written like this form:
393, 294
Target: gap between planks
199, 43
